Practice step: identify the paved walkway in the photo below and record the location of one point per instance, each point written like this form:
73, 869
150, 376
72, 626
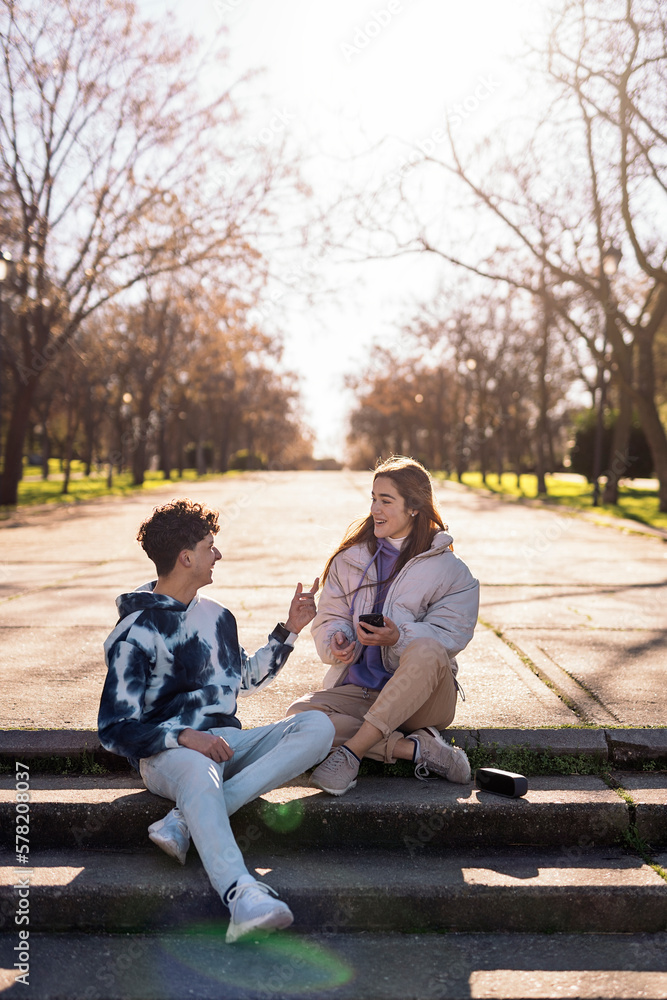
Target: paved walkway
583, 605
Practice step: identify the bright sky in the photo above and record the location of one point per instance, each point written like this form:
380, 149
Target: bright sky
345, 74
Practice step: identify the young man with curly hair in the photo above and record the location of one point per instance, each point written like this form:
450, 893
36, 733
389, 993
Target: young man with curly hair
175, 669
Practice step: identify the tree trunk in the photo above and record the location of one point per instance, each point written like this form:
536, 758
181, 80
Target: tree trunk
542, 420
139, 461
163, 446
19, 422
140, 449
201, 463
72, 427
619, 447
482, 456
46, 451
649, 416
90, 435
657, 440
500, 447
515, 450
68, 466
438, 437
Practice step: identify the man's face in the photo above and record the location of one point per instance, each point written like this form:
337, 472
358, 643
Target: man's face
203, 558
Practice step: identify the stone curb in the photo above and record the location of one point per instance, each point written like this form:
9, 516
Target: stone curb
174, 965
402, 815
556, 742
348, 891
620, 747
37, 744
630, 747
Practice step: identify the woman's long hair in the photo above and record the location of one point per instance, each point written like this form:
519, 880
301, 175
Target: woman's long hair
414, 485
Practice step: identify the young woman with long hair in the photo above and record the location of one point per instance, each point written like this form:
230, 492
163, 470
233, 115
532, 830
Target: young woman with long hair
392, 687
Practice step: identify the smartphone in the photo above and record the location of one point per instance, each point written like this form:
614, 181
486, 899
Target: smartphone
372, 619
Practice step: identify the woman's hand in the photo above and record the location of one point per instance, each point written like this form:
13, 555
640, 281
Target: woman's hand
342, 648
378, 635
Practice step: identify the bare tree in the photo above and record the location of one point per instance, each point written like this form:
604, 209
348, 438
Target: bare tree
591, 182
114, 169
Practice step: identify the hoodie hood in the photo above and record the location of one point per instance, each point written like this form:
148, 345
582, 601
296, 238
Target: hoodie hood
358, 555
143, 599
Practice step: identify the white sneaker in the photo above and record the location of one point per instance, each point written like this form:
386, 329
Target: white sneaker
251, 908
435, 755
172, 835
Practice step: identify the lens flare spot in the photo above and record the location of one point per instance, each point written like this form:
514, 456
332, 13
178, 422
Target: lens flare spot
278, 964
283, 817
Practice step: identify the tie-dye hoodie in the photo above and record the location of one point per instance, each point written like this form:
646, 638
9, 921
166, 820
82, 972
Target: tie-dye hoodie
172, 666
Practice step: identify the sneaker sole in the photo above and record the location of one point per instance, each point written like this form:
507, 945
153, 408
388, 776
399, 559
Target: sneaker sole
334, 791
167, 846
267, 924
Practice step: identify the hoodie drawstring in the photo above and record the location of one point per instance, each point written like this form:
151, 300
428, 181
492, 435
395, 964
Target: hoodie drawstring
363, 576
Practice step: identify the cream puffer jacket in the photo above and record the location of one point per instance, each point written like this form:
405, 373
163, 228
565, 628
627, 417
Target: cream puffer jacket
434, 596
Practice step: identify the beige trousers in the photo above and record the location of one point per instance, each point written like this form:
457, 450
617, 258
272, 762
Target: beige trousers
421, 692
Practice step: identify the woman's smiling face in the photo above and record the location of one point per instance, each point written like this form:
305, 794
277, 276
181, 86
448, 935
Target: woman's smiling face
391, 517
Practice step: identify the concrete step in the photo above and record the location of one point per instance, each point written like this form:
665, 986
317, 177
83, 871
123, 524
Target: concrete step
369, 966
603, 890
618, 748
399, 813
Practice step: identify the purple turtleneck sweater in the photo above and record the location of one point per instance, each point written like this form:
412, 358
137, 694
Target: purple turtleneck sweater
368, 671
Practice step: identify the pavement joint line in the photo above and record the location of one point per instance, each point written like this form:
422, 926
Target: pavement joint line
54, 583
580, 628
66, 580
527, 661
584, 687
603, 588
50, 626
575, 706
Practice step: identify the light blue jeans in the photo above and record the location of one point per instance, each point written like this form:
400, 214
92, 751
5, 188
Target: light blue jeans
208, 793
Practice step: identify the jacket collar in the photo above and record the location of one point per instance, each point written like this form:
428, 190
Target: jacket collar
359, 557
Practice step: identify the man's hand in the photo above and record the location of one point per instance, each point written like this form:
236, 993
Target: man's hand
378, 635
211, 746
302, 609
342, 648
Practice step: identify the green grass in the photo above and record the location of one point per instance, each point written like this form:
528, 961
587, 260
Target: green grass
35, 490
635, 504
518, 759
83, 763
524, 760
